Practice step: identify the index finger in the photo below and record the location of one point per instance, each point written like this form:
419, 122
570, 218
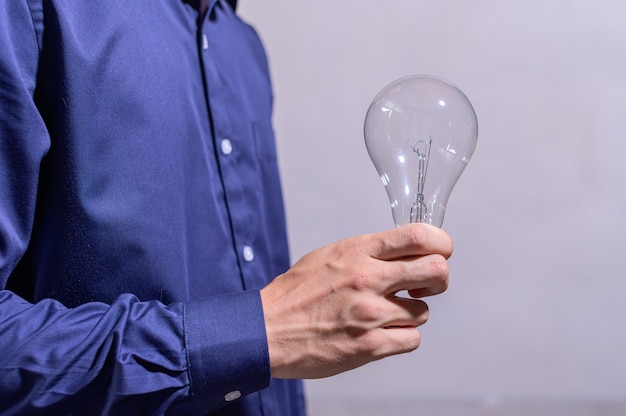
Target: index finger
411, 240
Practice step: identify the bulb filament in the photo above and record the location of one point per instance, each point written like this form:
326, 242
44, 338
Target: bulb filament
419, 210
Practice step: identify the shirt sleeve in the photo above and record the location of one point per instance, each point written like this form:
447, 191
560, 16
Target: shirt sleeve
130, 357
237, 361
127, 357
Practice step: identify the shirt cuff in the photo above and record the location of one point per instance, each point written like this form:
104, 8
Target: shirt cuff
227, 348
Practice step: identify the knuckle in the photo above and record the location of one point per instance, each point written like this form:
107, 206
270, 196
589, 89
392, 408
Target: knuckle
438, 268
422, 236
367, 311
435, 273
417, 235
360, 281
376, 345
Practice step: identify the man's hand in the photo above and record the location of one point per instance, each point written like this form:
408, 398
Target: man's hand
336, 309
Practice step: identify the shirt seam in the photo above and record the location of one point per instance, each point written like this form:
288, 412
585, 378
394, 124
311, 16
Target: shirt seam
36, 33
187, 348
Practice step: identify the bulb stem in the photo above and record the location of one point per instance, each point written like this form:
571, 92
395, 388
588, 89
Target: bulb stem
419, 210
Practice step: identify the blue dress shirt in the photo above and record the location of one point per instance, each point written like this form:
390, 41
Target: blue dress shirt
140, 211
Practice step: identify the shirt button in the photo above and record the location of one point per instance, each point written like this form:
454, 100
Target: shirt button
226, 146
205, 41
233, 395
248, 253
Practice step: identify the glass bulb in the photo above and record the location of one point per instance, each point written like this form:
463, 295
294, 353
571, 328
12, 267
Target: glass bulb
420, 132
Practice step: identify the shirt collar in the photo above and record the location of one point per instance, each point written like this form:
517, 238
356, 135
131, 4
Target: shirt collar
211, 3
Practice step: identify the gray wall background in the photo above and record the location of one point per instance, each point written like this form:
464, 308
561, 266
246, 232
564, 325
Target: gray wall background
536, 307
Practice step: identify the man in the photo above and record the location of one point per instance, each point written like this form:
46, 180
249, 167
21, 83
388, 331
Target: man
141, 224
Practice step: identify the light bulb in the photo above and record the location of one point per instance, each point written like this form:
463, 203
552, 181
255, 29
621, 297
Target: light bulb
420, 132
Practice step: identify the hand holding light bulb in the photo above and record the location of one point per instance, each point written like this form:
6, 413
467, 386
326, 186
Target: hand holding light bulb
337, 308
420, 132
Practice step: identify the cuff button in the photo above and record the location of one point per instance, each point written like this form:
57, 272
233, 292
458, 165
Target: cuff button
233, 395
